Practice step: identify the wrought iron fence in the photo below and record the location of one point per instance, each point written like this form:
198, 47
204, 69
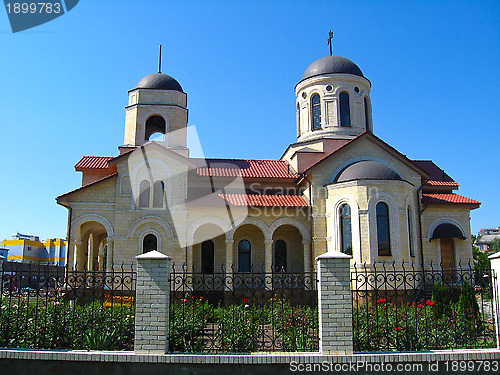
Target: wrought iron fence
407, 307
52, 307
242, 312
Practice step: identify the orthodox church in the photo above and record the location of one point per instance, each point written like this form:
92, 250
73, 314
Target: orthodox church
339, 188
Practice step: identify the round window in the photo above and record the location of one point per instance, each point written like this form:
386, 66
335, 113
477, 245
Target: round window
329, 88
304, 95
356, 89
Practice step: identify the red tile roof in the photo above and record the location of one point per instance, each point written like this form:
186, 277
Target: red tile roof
438, 177
257, 200
93, 162
245, 168
448, 198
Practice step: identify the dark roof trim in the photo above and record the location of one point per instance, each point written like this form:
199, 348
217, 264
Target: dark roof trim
447, 230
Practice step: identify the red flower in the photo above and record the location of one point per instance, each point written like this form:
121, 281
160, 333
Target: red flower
398, 328
107, 295
201, 297
384, 307
381, 300
429, 303
244, 299
413, 304
408, 303
420, 305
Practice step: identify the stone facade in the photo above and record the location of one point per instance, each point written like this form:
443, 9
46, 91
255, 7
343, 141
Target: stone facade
204, 213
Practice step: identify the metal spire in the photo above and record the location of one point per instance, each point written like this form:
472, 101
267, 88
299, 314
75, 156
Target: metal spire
159, 61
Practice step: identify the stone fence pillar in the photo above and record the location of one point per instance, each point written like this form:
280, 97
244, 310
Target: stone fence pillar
335, 306
152, 303
495, 268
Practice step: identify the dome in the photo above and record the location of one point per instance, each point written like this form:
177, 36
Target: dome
159, 81
367, 170
332, 64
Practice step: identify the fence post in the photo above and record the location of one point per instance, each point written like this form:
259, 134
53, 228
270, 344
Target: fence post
495, 268
335, 306
152, 303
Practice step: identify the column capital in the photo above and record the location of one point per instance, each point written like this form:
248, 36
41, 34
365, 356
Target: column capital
306, 242
229, 241
268, 242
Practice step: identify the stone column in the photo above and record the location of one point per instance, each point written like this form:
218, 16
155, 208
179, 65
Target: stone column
109, 254
307, 256
495, 273
152, 303
268, 256
229, 256
189, 258
334, 304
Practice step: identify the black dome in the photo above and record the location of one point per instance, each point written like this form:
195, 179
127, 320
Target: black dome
159, 81
367, 170
332, 64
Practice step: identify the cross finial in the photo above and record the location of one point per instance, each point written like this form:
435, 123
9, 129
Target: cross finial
330, 37
159, 61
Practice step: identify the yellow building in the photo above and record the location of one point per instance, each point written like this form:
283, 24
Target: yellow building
338, 188
28, 248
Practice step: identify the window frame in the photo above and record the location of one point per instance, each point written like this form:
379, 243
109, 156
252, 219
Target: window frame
249, 255
316, 125
341, 227
385, 251
342, 109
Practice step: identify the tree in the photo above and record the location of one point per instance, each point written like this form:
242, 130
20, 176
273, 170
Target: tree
496, 245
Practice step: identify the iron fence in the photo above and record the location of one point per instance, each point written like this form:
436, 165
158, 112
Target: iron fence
407, 307
52, 307
242, 312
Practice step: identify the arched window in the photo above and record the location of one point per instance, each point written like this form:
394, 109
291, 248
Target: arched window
149, 243
410, 232
154, 124
244, 256
207, 256
280, 256
144, 194
345, 111
298, 120
367, 114
316, 112
345, 229
383, 230
158, 193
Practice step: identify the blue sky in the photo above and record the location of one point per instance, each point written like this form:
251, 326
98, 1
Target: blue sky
434, 68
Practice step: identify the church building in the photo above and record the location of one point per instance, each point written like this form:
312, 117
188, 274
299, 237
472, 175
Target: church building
339, 188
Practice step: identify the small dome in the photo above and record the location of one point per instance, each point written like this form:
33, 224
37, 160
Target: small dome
367, 170
332, 64
159, 81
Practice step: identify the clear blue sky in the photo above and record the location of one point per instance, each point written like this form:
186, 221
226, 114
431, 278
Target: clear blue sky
434, 68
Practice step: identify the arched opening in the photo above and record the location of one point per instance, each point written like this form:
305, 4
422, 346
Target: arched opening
154, 124
383, 230
158, 194
89, 255
207, 256
244, 256
149, 243
345, 111
280, 263
346, 229
144, 194
316, 112
298, 120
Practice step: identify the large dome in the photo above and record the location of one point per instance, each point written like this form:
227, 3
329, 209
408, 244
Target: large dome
332, 64
367, 170
159, 81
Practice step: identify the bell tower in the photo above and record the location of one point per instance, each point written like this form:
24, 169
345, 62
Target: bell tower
156, 106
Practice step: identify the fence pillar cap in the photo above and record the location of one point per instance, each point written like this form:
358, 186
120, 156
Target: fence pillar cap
494, 256
334, 255
153, 255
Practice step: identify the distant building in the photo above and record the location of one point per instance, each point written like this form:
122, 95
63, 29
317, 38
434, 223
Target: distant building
28, 248
486, 237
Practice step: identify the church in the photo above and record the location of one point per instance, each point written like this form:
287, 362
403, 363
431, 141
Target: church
339, 188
